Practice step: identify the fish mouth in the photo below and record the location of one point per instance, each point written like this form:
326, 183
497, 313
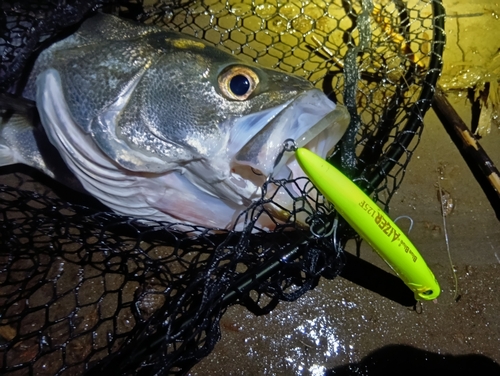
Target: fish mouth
253, 153
311, 120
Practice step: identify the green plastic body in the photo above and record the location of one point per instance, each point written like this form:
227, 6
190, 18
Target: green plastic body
372, 224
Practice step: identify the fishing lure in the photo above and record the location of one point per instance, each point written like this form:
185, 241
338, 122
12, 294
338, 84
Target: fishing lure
372, 224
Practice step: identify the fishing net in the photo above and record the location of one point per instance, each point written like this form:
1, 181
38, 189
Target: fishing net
83, 290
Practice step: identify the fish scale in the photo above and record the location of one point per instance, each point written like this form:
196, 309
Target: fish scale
144, 120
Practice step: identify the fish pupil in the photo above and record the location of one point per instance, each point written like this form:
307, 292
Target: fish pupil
239, 84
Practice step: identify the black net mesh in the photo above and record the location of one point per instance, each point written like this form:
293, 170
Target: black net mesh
85, 290
77, 285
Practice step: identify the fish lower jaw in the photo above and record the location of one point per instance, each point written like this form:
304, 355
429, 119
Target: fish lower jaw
247, 190
294, 199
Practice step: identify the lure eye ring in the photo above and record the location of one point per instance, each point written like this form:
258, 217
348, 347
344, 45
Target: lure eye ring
238, 82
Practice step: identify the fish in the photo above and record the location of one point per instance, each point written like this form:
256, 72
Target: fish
163, 126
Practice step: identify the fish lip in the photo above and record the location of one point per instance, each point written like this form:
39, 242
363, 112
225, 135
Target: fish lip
310, 119
286, 181
321, 139
318, 133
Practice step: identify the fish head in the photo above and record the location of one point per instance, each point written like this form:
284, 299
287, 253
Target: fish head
205, 102
190, 131
232, 118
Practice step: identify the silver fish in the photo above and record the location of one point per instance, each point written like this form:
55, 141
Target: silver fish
160, 125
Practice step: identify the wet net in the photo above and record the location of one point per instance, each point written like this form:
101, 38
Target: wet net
86, 291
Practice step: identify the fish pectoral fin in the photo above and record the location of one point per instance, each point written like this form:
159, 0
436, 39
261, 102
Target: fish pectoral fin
17, 137
22, 142
6, 154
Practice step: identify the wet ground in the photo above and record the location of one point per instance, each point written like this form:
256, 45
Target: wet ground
341, 328
340, 323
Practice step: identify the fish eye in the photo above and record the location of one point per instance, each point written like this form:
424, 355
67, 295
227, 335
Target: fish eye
238, 82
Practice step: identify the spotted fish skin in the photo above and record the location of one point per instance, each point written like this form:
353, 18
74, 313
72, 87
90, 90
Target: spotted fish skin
154, 123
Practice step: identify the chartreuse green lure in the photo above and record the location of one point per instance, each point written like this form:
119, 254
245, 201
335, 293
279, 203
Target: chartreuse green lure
372, 224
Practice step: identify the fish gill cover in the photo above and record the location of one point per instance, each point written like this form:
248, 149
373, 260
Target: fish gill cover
83, 290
